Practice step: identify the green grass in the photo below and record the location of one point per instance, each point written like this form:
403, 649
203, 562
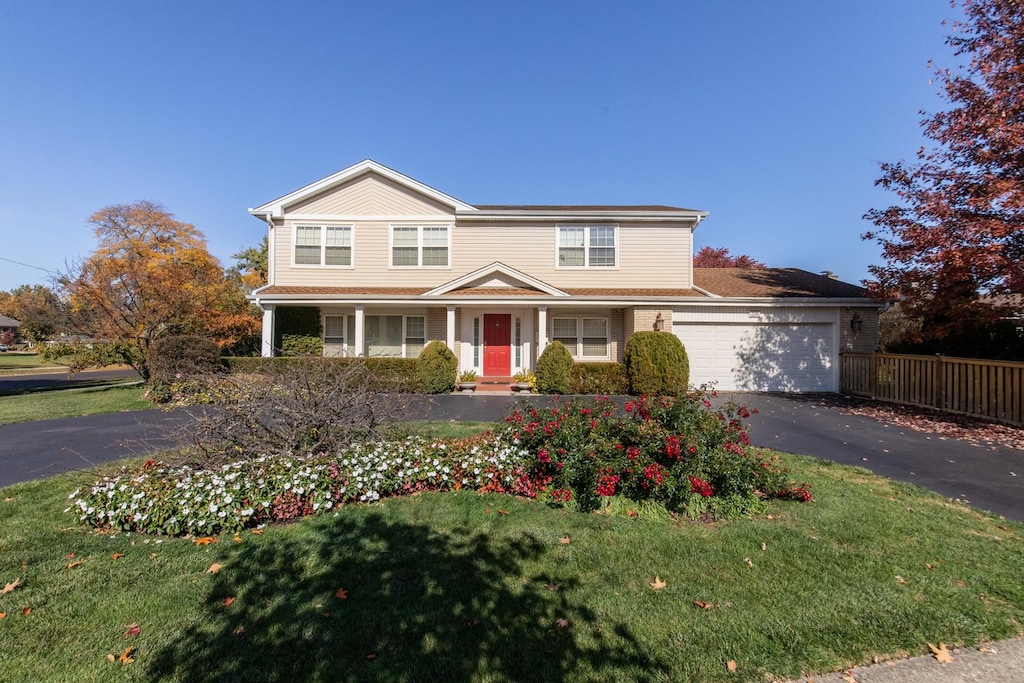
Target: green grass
104, 398
446, 587
13, 363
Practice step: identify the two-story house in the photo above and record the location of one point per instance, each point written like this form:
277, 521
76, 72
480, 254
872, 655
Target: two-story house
391, 264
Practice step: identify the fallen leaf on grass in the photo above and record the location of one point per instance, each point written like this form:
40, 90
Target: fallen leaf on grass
371, 657
25, 611
257, 531
8, 500
126, 656
562, 623
564, 540
227, 601
341, 594
206, 540
117, 556
900, 580
929, 565
632, 514
3, 614
764, 546
72, 565
502, 512
487, 511
941, 653
214, 568
731, 665
960, 584
749, 562
552, 586
238, 631
702, 604
238, 539
69, 556
132, 630
658, 583
11, 586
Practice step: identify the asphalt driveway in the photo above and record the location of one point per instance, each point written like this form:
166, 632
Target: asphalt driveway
989, 478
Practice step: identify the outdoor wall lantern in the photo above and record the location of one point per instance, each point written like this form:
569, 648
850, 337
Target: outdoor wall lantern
856, 323
659, 323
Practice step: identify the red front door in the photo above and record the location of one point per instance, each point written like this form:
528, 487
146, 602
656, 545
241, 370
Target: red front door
497, 345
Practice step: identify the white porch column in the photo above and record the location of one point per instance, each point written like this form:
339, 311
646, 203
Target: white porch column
267, 342
542, 329
450, 329
359, 333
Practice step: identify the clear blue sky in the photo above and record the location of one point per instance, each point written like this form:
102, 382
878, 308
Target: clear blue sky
772, 116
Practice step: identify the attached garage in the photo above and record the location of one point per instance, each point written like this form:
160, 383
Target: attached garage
760, 349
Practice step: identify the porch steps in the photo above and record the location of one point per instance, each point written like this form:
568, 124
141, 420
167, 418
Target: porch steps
494, 384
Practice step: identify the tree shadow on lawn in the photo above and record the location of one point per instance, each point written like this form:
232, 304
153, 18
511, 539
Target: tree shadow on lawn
421, 604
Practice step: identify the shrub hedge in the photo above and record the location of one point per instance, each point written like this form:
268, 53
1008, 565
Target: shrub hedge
554, 369
657, 364
385, 374
297, 331
609, 379
436, 369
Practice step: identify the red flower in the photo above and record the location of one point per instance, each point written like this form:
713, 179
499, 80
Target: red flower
702, 487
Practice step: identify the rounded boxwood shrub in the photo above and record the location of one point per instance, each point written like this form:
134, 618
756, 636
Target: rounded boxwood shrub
554, 369
183, 356
436, 369
656, 364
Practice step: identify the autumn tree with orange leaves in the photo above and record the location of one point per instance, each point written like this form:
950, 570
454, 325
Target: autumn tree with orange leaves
151, 275
954, 244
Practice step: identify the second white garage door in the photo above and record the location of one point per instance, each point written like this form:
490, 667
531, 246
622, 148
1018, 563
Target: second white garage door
761, 356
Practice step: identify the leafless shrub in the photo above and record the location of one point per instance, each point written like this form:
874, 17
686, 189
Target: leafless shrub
312, 405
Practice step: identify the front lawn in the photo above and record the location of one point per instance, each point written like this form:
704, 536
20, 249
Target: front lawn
468, 586
47, 405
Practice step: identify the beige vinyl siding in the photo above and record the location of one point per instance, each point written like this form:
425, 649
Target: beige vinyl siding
650, 256
370, 195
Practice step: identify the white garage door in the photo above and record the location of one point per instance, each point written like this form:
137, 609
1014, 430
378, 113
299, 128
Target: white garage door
761, 356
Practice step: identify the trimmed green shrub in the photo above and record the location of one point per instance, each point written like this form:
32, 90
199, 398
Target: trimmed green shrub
436, 369
656, 364
297, 331
554, 369
183, 356
607, 379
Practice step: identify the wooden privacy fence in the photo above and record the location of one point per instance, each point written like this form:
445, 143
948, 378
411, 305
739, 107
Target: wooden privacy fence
985, 388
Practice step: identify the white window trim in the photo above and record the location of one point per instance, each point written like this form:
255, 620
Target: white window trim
586, 246
419, 245
578, 354
323, 244
348, 335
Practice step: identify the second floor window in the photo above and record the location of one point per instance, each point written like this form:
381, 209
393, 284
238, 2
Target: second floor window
421, 245
583, 246
323, 245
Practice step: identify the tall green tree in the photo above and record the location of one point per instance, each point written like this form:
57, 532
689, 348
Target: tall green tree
954, 242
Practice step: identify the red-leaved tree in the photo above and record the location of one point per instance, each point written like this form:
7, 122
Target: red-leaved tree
956, 237
710, 257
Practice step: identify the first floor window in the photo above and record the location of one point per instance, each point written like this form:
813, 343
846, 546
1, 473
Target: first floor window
584, 337
338, 332
394, 335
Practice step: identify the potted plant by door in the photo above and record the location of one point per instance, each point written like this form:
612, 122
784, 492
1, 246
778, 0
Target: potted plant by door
524, 381
467, 381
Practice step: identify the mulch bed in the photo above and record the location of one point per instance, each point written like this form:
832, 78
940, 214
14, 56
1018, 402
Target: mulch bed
947, 425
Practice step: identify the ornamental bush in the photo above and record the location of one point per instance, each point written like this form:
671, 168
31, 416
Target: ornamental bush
297, 331
608, 379
673, 451
656, 364
554, 369
183, 356
436, 370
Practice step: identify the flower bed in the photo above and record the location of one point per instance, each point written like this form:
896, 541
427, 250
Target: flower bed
675, 453
183, 500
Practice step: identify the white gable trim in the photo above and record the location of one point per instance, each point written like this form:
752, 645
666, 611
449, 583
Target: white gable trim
276, 208
496, 268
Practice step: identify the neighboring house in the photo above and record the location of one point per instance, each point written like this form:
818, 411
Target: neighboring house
10, 326
392, 264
